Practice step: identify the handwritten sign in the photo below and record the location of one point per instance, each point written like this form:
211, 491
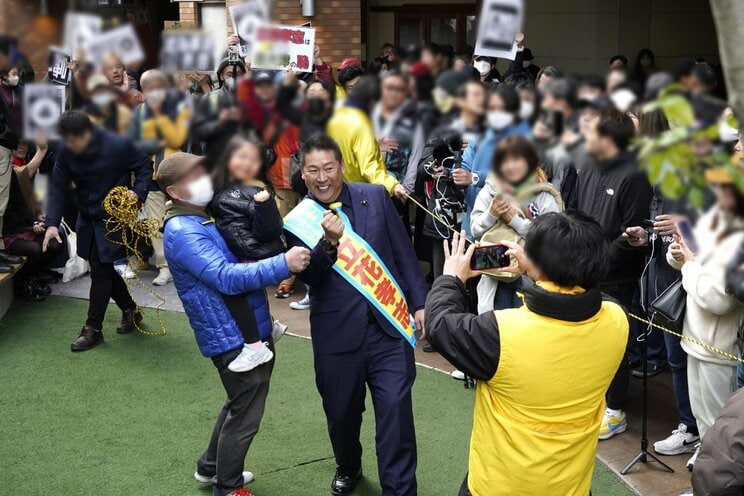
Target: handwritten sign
43, 105
499, 23
279, 47
245, 17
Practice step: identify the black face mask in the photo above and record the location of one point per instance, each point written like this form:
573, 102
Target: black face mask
316, 109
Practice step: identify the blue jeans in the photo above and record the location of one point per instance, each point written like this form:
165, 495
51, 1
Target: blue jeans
677, 359
740, 373
506, 295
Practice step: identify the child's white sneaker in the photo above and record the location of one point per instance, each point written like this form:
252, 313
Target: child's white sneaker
277, 332
251, 358
125, 271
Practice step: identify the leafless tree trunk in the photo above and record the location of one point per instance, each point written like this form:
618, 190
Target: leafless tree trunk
729, 18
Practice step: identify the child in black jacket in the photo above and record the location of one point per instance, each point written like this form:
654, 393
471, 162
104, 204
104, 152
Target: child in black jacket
248, 219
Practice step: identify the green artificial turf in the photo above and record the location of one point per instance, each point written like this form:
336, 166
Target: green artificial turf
131, 416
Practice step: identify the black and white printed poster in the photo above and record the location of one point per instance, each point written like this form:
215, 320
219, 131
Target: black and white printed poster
58, 71
185, 51
80, 29
499, 23
43, 104
245, 17
121, 40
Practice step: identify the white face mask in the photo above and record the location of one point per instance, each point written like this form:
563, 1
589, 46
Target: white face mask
229, 82
155, 96
526, 63
726, 133
499, 119
482, 66
526, 109
13, 80
101, 100
201, 191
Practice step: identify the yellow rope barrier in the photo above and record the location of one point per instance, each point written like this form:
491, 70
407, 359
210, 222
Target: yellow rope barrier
123, 210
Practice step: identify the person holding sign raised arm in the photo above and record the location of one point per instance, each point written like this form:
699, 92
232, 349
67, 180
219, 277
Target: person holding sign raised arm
365, 284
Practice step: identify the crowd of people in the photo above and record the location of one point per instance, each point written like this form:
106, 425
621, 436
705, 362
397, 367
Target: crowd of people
414, 160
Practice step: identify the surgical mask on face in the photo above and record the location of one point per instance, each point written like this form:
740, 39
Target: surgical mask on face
229, 82
13, 80
443, 100
101, 100
201, 191
482, 66
726, 133
499, 119
155, 96
526, 109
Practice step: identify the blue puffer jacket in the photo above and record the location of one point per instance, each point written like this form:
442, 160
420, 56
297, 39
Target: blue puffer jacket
204, 269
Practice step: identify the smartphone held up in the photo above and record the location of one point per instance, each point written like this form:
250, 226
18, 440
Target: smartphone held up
490, 257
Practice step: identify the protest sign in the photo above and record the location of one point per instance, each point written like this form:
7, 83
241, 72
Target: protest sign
121, 40
245, 17
187, 51
79, 29
279, 47
499, 23
43, 104
57, 71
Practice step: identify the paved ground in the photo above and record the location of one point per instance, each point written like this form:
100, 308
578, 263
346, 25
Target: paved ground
646, 479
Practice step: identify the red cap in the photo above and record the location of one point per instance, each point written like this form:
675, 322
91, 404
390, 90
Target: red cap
419, 69
348, 62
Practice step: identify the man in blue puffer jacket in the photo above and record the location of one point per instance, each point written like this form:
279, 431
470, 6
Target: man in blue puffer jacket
203, 270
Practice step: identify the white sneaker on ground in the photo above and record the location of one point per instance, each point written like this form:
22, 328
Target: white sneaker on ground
163, 277
249, 358
303, 304
693, 458
125, 271
678, 443
278, 330
203, 479
458, 375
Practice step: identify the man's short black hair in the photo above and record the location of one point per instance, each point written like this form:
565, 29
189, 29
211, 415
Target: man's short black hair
705, 73
508, 95
621, 58
366, 92
74, 123
569, 249
551, 71
348, 73
563, 89
617, 126
319, 142
596, 82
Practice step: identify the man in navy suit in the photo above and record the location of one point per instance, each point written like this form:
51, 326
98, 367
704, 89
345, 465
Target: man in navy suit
355, 346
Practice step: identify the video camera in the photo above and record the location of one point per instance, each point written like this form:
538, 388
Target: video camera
446, 153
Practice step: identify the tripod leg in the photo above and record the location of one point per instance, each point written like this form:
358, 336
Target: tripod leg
635, 460
663, 465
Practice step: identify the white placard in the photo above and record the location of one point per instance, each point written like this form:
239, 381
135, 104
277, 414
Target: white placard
57, 71
43, 104
79, 29
245, 17
279, 47
498, 25
122, 40
187, 51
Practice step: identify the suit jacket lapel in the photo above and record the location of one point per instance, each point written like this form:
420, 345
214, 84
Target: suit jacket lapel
359, 205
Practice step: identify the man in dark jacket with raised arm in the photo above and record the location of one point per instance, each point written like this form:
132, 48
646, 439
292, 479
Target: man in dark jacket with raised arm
365, 285
543, 368
96, 161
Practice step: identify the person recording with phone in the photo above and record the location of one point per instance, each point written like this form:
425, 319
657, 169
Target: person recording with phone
516, 192
712, 315
537, 415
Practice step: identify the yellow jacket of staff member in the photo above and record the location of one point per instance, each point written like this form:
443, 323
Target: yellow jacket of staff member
352, 129
149, 132
543, 371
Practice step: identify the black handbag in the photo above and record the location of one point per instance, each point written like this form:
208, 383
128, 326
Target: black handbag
670, 305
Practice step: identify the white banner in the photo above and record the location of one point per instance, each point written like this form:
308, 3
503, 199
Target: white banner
43, 104
57, 71
187, 51
245, 17
121, 40
79, 29
279, 47
498, 25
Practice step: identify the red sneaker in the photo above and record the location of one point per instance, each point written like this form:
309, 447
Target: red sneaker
241, 492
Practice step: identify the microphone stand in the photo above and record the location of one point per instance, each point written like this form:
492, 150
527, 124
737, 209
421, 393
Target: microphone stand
644, 456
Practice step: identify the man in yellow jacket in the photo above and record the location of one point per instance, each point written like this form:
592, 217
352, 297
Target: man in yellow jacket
351, 127
159, 127
543, 368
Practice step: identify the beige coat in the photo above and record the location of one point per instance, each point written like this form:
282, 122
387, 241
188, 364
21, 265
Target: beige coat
712, 316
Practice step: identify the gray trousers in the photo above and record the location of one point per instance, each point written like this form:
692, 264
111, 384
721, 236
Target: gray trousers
6, 169
237, 423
